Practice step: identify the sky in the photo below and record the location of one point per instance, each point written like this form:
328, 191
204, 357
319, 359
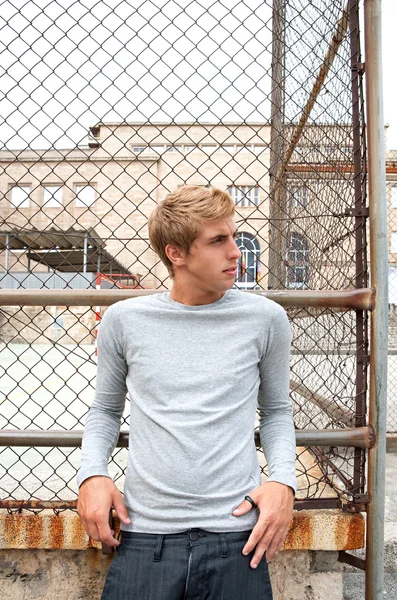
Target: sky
389, 28
66, 66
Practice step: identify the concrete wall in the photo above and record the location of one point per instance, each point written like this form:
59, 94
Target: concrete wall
80, 574
50, 557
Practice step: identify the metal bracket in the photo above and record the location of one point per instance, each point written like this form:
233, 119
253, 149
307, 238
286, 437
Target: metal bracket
363, 360
360, 67
359, 504
350, 559
357, 212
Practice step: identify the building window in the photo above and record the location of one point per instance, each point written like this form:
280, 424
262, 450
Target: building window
228, 149
260, 149
85, 195
52, 196
298, 262
298, 196
138, 149
157, 149
393, 196
20, 196
173, 148
208, 149
243, 149
393, 242
244, 195
248, 265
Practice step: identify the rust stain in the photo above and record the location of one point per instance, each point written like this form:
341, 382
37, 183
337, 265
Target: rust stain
349, 532
300, 535
95, 559
12, 530
356, 533
79, 538
56, 532
35, 531
67, 531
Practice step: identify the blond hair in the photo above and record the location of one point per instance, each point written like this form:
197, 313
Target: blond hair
180, 218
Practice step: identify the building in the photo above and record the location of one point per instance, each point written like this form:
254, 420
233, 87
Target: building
67, 215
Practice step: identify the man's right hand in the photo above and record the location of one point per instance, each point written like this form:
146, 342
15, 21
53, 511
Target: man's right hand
97, 495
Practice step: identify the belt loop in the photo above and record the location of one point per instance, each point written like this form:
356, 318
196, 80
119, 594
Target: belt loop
224, 546
157, 550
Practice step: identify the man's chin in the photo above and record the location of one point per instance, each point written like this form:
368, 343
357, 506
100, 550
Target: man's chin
225, 285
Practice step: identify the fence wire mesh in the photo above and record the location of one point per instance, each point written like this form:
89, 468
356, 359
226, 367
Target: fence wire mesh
391, 197
106, 110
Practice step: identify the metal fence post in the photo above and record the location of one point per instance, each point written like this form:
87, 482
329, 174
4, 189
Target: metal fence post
379, 316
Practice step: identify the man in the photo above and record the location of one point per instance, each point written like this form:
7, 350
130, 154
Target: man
196, 522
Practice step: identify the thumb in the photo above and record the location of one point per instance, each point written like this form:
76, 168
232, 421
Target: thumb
243, 508
120, 508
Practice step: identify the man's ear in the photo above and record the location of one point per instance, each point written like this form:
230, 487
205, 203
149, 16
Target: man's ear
175, 255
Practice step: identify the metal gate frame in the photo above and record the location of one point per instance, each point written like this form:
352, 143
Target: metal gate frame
375, 299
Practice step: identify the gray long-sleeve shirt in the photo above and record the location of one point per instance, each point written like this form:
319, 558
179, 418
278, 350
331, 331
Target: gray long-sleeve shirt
194, 375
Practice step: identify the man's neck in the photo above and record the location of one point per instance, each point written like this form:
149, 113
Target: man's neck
192, 297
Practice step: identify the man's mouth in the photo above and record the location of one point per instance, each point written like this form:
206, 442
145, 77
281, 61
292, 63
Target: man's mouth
231, 271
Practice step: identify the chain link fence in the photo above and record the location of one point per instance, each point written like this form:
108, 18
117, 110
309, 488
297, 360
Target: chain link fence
106, 110
391, 196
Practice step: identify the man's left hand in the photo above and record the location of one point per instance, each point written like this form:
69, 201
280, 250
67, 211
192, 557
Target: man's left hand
275, 502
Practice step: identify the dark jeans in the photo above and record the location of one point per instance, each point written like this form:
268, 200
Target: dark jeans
193, 565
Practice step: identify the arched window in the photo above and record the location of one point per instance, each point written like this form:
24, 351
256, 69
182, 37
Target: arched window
298, 261
248, 265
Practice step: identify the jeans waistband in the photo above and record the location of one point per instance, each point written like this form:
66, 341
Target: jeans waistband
191, 537
194, 534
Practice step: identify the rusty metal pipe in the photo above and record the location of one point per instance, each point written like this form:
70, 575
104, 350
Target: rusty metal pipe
29, 504
38, 504
379, 317
349, 299
360, 437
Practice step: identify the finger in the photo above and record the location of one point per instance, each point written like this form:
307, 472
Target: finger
85, 522
92, 531
256, 535
260, 550
243, 508
120, 508
263, 546
275, 544
105, 535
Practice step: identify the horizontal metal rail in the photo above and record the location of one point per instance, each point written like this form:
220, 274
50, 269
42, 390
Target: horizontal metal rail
359, 437
360, 299
57, 505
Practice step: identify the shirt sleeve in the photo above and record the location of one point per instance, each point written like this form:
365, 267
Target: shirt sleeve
276, 425
102, 426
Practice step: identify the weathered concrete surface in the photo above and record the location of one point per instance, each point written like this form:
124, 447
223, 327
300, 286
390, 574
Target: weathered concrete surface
50, 557
80, 575
45, 530
52, 575
310, 530
354, 580
296, 575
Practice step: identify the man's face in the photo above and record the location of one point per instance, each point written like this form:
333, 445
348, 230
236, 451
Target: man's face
211, 264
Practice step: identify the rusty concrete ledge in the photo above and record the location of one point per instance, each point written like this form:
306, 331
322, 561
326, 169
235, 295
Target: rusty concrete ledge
310, 530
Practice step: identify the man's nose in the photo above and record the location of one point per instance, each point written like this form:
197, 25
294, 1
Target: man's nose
236, 253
